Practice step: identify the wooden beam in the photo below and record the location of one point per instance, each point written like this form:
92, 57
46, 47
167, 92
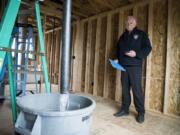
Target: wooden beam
76, 83
44, 34
148, 64
146, 2
75, 13
51, 60
49, 54
57, 54
59, 63
51, 12
97, 51
107, 4
135, 11
30, 11
77, 61
97, 9
59, 28
45, 10
131, 1
75, 80
57, 7
53, 21
168, 58
92, 55
108, 44
105, 13
82, 8
44, 26
53, 56
118, 92
33, 21
88, 57
83, 72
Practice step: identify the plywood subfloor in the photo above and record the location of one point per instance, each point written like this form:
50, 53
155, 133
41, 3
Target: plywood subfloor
104, 123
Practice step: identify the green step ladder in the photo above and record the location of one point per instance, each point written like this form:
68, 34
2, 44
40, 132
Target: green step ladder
6, 28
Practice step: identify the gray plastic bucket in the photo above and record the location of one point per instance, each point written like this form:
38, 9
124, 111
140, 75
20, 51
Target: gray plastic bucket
40, 115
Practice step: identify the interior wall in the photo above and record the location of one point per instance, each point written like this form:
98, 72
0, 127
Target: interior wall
53, 54
173, 60
94, 42
158, 60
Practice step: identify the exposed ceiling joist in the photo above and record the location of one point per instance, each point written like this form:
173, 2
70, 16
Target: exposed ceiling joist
53, 10
60, 6
84, 8
81, 9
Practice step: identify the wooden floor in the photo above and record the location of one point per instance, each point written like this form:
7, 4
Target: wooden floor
104, 123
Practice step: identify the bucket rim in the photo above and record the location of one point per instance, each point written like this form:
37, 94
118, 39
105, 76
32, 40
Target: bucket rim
86, 110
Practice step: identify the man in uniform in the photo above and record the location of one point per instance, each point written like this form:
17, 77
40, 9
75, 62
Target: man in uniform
133, 47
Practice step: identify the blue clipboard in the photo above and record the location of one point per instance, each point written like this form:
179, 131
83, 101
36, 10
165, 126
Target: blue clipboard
117, 65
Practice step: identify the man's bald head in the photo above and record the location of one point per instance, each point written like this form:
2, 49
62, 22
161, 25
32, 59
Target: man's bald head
131, 23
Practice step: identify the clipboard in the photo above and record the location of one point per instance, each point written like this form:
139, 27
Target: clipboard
116, 65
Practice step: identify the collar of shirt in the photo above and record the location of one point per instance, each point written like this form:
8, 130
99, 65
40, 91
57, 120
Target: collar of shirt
132, 32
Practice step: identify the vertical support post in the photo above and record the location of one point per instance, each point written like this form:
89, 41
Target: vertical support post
66, 48
168, 58
148, 65
97, 56
88, 56
108, 44
41, 42
12, 90
118, 92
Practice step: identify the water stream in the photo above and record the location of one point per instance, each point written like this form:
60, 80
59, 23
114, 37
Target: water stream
64, 102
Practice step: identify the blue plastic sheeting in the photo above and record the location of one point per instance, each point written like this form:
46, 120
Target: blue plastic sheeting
117, 65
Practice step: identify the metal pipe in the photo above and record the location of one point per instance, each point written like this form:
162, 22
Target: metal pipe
66, 48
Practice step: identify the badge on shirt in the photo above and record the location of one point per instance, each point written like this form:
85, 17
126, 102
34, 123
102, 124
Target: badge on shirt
136, 37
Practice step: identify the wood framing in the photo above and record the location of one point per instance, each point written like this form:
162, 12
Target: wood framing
95, 40
148, 62
97, 57
118, 92
168, 56
107, 66
78, 54
88, 57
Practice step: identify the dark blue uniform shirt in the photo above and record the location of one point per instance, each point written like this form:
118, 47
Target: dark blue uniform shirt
136, 40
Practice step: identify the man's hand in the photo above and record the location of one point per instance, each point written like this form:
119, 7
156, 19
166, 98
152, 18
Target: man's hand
131, 53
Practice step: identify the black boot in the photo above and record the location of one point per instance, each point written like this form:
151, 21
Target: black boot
140, 118
121, 113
